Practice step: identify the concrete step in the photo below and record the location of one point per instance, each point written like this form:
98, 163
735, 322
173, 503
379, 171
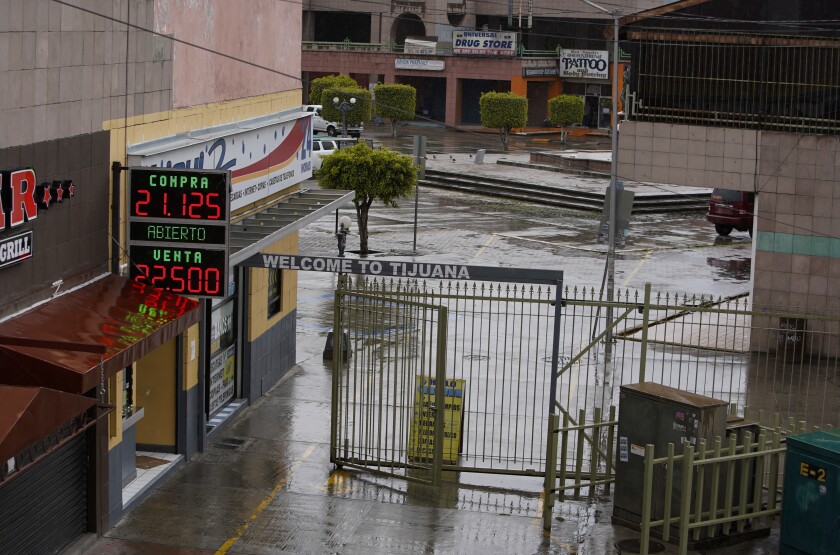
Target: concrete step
560, 197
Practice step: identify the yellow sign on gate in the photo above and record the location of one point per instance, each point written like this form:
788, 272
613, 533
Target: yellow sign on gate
421, 444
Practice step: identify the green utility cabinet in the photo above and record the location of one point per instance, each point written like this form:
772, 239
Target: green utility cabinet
811, 504
659, 415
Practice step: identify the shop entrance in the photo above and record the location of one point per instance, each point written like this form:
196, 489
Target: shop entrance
537, 103
471, 90
431, 95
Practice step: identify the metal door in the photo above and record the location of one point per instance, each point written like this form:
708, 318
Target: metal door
387, 411
44, 509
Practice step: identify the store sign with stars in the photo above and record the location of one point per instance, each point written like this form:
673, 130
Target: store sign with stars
21, 197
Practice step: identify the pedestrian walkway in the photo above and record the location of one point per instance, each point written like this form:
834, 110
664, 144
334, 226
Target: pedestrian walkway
265, 483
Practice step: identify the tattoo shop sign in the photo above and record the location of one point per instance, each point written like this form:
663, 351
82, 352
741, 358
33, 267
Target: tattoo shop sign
589, 64
402, 269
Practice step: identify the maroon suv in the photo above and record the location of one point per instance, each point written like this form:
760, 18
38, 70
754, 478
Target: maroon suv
730, 210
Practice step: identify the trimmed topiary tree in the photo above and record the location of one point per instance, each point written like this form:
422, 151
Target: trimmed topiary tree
317, 86
359, 111
373, 174
564, 110
503, 111
395, 102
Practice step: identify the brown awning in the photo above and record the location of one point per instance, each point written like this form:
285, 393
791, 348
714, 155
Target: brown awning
28, 414
128, 319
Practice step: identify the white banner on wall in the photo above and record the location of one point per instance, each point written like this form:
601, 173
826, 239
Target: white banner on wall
262, 161
484, 43
221, 384
417, 46
588, 64
421, 65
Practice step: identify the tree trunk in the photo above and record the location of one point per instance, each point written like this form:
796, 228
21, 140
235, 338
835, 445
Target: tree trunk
393, 128
362, 210
505, 138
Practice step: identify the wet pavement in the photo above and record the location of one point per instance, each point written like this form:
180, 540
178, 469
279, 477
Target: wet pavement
265, 483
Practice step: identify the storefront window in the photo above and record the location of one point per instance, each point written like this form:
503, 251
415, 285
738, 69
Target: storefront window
221, 383
275, 289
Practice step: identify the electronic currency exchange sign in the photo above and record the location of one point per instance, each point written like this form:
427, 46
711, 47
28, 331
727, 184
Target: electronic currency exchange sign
178, 226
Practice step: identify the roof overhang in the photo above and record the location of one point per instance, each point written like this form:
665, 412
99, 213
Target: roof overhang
173, 142
73, 341
661, 10
259, 230
29, 414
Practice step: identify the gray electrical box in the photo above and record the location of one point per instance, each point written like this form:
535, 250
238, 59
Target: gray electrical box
659, 415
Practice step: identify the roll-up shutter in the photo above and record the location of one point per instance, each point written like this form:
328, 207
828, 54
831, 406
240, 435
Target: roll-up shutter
45, 508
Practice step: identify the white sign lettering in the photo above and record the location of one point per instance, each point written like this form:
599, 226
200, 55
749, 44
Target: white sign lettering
484, 43
589, 64
421, 65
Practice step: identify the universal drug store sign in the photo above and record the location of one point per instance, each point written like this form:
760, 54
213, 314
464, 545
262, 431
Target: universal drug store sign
20, 199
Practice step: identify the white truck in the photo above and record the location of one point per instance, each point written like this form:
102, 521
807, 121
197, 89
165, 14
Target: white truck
320, 125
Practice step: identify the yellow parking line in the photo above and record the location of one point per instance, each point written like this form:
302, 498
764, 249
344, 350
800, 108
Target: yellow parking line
483, 248
635, 271
265, 502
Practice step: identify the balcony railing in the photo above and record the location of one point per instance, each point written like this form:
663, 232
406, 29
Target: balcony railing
391, 48
746, 80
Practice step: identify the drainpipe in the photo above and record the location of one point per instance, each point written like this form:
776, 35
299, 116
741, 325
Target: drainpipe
116, 169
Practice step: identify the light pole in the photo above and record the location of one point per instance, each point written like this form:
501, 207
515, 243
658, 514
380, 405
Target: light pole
613, 187
344, 107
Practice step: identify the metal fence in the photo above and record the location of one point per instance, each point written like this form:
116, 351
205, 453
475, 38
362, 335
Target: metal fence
731, 79
779, 360
492, 341
495, 342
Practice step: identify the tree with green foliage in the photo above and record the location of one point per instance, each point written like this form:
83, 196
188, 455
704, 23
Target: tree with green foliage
395, 102
373, 174
503, 111
329, 82
564, 110
359, 110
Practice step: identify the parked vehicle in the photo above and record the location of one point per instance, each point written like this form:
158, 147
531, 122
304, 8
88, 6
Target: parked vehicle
729, 209
321, 148
320, 125
325, 147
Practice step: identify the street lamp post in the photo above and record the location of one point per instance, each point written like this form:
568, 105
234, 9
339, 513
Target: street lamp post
613, 187
344, 107
341, 234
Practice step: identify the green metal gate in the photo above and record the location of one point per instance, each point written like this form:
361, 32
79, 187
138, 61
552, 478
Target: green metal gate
492, 344
387, 413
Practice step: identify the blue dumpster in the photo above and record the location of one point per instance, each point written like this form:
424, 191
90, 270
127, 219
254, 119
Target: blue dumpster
811, 504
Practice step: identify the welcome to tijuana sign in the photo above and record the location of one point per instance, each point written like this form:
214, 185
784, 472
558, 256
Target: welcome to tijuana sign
401, 268
20, 199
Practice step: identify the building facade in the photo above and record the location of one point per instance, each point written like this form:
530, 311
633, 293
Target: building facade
89, 91
749, 100
451, 52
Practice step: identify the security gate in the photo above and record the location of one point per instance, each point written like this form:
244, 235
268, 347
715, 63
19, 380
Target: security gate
388, 413
451, 368
491, 345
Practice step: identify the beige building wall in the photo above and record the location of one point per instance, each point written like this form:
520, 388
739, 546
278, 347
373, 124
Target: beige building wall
259, 321
796, 249
263, 35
